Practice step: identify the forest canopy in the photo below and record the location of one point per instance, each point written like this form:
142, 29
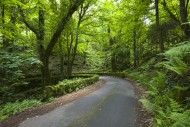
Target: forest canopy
41, 39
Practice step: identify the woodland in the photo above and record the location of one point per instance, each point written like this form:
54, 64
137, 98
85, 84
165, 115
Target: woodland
52, 47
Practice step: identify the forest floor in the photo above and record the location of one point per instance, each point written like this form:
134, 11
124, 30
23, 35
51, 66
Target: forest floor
143, 118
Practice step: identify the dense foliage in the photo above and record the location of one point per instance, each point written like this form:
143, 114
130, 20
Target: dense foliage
167, 87
150, 39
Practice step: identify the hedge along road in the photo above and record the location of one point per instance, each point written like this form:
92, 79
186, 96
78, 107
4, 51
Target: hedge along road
113, 105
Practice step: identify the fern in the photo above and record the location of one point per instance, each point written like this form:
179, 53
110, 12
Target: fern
158, 82
176, 57
176, 65
148, 105
181, 51
172, 115
178, 115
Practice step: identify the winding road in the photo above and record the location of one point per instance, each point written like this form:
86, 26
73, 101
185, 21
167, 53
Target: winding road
113, 105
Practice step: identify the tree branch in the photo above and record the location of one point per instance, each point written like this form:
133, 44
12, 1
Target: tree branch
62, 25
186, 6
29, 25
84, 10
169, 11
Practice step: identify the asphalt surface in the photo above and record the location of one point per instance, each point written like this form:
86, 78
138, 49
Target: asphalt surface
113, 105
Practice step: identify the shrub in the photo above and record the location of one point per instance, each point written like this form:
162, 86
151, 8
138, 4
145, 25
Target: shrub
67, 86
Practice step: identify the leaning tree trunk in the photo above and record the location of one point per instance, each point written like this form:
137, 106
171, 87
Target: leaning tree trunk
183, 22
184, 18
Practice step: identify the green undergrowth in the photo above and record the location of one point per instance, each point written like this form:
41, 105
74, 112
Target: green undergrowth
47, 96
167, 88
11, 108
166, 79
162, 100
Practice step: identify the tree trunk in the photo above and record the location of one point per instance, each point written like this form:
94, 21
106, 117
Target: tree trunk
75, 48
3, 22
69, 49
69, 67
159, 35
113, 56
113, 63
4, 70
45, 72
61, 55
82, 12
44, 54
134, 49
41, 50
13, 21
84, 56
106, 59
183, 7
184, 18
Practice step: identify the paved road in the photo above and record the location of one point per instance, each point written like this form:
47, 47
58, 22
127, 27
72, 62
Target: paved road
113, 105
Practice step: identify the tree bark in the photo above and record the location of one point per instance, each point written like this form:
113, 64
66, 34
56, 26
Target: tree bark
3, 22
113, 55
113, 62
135, 49
41, 50
159, 35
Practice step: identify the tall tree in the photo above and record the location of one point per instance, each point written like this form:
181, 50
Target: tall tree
3, 24
44, 53
183, 12
159, 34
81, 13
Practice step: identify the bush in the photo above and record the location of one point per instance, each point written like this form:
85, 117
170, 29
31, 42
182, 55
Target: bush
67, 86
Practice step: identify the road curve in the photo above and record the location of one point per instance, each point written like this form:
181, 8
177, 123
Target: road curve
113, 105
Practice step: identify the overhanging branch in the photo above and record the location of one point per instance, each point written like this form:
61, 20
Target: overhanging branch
62, 25
169, 12
29, 25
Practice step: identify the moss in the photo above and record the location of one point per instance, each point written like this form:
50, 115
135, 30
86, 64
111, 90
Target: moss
70, 86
